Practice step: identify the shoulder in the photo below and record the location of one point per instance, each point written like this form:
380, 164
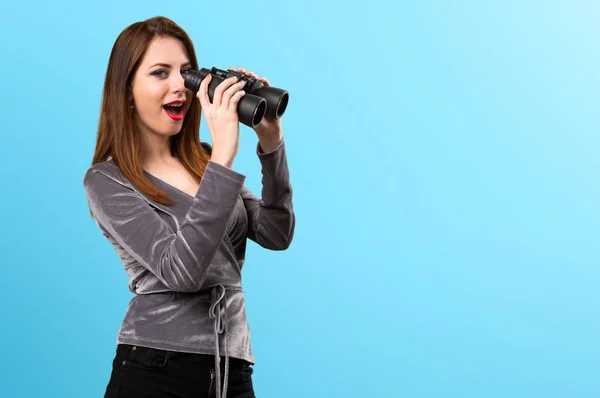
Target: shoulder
104, 174
107, 174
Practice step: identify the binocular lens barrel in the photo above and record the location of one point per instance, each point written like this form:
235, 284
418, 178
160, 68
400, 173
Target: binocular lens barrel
259, 100
277, 100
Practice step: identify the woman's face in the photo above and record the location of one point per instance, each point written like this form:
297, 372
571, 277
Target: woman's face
159, 81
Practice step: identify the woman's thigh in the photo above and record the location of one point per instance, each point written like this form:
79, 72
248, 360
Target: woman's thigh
141, 372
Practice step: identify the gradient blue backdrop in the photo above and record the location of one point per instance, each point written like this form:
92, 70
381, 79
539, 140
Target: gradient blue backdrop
444, 157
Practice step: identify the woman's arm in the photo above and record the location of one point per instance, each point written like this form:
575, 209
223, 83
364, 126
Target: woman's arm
179, 259
271, 219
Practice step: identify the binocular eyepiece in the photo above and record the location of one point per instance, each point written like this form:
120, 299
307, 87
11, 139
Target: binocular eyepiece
259, 100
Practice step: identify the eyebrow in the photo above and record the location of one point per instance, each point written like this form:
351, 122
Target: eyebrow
168, 66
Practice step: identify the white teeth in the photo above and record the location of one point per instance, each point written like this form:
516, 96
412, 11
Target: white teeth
175, 105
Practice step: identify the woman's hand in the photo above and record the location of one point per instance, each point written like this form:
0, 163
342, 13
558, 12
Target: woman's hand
222, 117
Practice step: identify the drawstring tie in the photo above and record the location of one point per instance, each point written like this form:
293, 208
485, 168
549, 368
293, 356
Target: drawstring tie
218, 313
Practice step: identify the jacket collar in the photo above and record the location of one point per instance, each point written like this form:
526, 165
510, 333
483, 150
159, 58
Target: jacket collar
110, 169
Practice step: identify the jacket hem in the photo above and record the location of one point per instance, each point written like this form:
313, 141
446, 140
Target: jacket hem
193, 349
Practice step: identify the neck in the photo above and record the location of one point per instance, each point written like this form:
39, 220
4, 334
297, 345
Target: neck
156, 149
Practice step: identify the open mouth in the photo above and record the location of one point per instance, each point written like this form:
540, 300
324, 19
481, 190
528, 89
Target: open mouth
174, 111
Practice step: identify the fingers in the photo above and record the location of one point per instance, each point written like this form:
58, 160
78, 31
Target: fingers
221, 88
265, 81
203, 92
226, 95
231, 92
252, 74
235, 98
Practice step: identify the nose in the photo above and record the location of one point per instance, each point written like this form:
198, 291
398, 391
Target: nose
177, 83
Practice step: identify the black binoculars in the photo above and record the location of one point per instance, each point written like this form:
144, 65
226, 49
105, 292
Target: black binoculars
259, 100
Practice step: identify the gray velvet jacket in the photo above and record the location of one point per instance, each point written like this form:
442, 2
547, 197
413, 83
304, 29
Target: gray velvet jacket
184, 262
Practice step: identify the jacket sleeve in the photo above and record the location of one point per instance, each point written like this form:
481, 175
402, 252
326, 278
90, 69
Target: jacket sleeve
271, 219
179, 259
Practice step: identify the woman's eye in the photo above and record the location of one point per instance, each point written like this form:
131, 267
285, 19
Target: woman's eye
159, 73
185, 72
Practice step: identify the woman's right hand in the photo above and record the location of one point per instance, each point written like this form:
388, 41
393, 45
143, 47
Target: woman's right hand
222, 117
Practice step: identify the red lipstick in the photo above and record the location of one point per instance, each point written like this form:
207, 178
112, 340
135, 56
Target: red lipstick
174, 109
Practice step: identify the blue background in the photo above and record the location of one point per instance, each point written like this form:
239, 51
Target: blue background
444, 157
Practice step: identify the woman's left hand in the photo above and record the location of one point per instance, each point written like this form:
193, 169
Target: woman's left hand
269, 130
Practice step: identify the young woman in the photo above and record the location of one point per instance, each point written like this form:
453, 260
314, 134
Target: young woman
179, 216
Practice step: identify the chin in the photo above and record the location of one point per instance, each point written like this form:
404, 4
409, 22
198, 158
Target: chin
172, 132
172, 128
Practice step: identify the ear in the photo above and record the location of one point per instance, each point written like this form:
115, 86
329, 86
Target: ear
130, 98
130, 94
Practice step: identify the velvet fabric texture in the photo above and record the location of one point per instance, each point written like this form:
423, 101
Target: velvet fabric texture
184, 262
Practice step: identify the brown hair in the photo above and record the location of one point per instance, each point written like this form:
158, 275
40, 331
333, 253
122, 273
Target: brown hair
118, 135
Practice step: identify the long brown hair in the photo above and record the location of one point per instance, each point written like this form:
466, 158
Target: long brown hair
118, 135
